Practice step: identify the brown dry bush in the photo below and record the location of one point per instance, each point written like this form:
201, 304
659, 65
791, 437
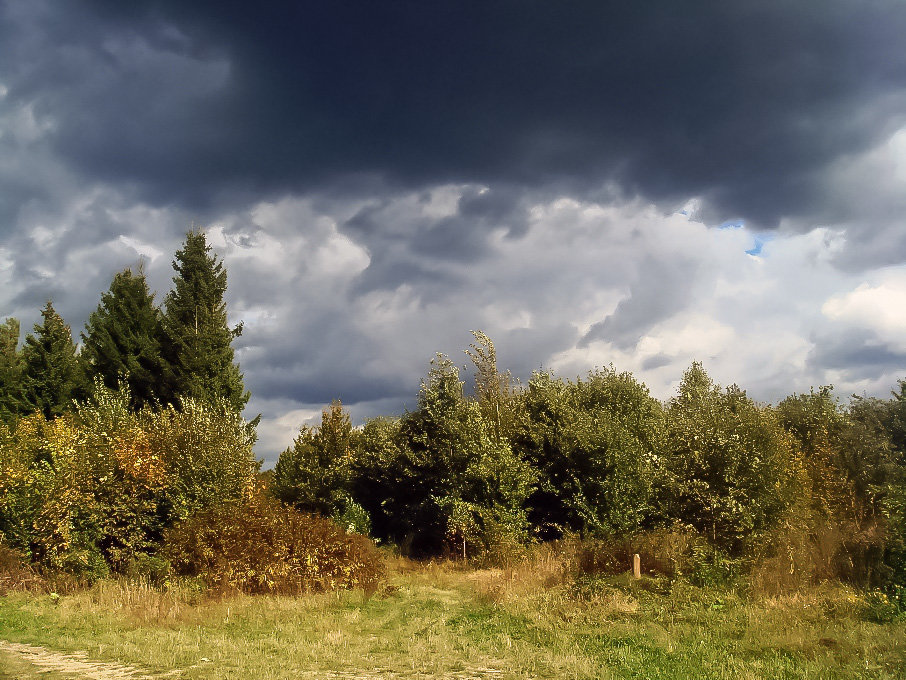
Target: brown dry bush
263, 546
811, 551
665, 552
594, 556
15, 573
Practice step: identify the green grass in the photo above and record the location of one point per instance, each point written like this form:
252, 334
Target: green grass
443, 621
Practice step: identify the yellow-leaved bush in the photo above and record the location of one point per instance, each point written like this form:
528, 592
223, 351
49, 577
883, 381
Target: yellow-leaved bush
92, 491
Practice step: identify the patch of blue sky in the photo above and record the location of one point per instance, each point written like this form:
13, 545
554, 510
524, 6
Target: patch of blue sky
760, 240
732, 224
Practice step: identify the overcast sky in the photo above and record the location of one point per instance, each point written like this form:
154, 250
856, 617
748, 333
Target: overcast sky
636, 183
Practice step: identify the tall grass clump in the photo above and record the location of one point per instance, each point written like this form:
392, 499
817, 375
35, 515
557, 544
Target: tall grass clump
262, 546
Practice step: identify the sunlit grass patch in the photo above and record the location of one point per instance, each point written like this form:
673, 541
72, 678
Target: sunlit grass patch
448, 620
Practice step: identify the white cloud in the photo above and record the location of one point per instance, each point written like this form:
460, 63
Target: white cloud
334, 310
877, 307
143, 249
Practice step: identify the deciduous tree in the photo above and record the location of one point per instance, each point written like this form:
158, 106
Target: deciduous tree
595, 445
732, 467
314, 474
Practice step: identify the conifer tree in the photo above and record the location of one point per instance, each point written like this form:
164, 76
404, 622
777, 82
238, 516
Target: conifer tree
10, 369
51, 375
122, 340
197, 337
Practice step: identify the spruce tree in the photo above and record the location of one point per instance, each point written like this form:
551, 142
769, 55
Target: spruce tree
197, 337
51, 375
122, 340
10, 369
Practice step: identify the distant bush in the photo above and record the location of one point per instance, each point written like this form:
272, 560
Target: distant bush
594, 444
885, 606
207, 448
314, 474
665, 551
263, 546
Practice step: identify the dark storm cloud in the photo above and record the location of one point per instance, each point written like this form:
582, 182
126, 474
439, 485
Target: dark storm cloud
742, 103
421, 247
857, 353
656, 361
381, 177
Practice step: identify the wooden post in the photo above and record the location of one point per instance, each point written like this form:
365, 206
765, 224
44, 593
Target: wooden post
637, 566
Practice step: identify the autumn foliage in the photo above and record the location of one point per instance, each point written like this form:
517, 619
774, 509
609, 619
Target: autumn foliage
262, 546
92, 491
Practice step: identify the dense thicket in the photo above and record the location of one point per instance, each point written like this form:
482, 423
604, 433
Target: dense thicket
594, 444
709, 478
314, 474
448, 477
93, 489
730, 467
91, 476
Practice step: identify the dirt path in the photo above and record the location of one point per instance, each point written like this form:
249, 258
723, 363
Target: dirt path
77, 664
477, 673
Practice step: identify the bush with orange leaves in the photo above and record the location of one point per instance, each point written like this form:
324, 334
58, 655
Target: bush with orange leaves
263, 546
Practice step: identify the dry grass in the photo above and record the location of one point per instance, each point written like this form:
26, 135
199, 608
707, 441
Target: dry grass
15, 574
535, 618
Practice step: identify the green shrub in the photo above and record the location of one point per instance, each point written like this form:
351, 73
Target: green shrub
151, 568
594, 445
711, 566
263, 546
314, 473
885, 605
354, 518
599, 556
92, 491
439, 480
668, 551
207, 451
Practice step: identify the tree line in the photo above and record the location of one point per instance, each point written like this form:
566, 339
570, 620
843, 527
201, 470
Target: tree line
104, 450
814, 484
162, 355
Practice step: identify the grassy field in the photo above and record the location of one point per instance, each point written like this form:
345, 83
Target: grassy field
443, 620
